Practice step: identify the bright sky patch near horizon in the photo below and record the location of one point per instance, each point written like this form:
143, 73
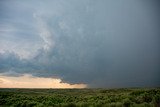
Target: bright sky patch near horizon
28, 81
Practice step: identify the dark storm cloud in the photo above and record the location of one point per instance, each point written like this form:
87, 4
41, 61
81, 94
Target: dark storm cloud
101, 43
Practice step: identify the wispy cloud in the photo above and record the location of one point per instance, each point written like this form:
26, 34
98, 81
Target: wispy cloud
44, 32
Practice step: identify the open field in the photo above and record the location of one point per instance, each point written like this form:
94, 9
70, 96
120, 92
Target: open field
126, 97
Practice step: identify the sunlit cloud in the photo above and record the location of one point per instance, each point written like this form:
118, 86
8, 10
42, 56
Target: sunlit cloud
29, 81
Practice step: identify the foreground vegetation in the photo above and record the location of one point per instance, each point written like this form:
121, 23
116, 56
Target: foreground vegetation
80, 97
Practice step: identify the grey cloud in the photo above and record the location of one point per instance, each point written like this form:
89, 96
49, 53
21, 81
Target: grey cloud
100, 43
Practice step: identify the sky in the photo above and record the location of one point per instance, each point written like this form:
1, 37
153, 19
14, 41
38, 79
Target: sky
79, 43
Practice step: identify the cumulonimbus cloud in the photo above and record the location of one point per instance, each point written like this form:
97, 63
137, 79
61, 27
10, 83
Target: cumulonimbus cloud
98, 43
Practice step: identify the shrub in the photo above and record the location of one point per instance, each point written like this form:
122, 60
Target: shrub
119, 104
157, 100
138, 99
70, 105
146, 97
111, 105
126, 103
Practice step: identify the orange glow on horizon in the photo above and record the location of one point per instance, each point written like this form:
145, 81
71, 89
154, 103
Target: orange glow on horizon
29, 81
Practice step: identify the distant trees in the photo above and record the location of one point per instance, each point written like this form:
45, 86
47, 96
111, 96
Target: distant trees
80, 98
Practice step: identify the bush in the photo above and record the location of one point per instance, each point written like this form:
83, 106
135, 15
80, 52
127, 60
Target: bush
138, 99
142, 105
111, 105
70, 105
126, 103
119, 104
146, 97
157, 100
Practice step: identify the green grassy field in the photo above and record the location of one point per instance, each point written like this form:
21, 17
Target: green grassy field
126, 97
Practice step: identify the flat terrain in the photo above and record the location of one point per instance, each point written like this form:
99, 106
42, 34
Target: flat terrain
126, 97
